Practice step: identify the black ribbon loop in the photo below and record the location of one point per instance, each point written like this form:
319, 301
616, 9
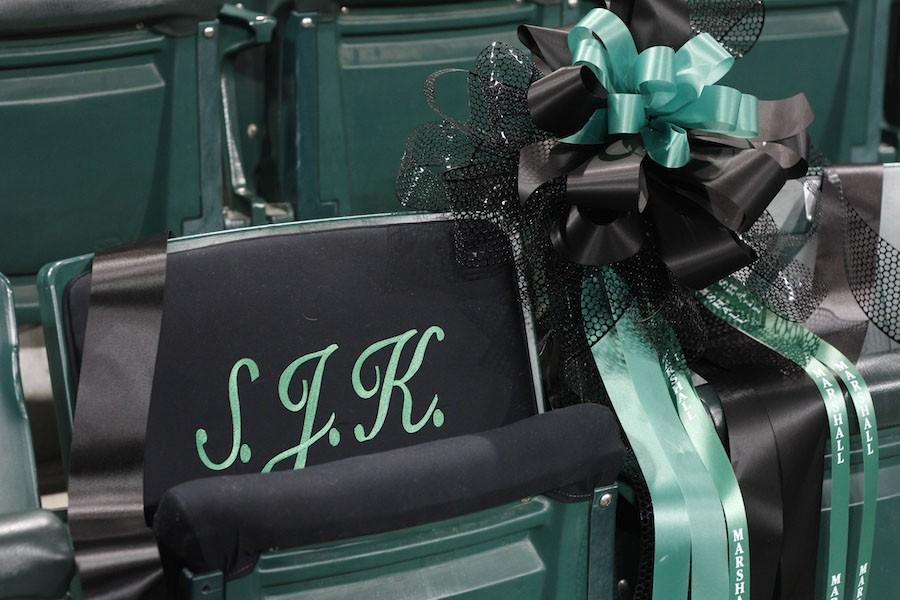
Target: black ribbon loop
549, 46
655, 22
693, 245
584, 237
607, 183
564, 100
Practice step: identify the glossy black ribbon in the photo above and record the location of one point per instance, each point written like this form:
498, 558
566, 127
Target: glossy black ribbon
115, 550
617, 196
776, 430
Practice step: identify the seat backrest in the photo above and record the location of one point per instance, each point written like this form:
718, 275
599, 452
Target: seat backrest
38, 17
18, 477
352, 90
289, 346
103, 116
835, 53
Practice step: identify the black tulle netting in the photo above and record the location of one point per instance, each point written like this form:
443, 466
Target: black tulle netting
736, 24
873, 268
469, 168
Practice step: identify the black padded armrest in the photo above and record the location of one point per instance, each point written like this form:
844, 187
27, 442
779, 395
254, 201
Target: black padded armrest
36, 559
224, 523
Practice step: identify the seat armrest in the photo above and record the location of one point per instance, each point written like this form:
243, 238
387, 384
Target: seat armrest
36, 558
224, 523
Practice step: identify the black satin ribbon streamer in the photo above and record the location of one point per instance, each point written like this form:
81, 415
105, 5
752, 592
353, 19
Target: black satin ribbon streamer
731, 181
839, 319
115, 550
777, 431
752, 449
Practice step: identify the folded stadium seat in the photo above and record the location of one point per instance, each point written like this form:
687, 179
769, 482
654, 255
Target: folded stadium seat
36, 560
389, 390
892, 86
112, 124
833, 51
347, 88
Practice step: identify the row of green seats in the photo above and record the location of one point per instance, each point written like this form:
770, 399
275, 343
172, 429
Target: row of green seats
111, 118
122, 122
125, 119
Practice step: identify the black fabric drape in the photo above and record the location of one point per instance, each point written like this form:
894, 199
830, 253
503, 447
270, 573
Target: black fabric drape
116, 551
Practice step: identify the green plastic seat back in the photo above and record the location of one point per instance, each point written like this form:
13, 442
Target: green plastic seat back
18, 478
352, 90
835, 53
108, 135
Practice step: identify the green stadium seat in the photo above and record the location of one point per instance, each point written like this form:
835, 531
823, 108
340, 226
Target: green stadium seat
892, 86
477, 495
833, 51
36, 560
349, 89
112, 128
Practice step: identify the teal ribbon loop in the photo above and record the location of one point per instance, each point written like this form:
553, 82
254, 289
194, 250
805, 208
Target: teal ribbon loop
660, 93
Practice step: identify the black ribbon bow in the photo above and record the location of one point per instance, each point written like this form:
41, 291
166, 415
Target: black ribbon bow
617, 196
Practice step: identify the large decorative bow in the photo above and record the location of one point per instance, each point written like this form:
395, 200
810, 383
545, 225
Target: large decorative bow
648, 142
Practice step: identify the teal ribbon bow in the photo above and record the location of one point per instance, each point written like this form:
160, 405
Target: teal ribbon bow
660, 92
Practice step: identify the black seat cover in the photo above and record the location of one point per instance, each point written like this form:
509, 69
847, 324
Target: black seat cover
36, 17
276, 298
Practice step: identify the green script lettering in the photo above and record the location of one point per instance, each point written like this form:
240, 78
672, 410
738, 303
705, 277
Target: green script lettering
391, 381
234, 402
309, 399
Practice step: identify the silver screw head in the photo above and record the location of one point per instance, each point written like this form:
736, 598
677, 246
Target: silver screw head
209, 31
307, 22
606, 500
252, 130
345, 10
573, 3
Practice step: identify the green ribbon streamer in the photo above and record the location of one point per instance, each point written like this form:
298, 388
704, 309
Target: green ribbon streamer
659, 93
690, 530
868, 433
702, 431
734, 304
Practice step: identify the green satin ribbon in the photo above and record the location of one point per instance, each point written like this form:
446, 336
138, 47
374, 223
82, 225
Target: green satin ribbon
702, 431
660, 92
733, 303
689, 524
868, 432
